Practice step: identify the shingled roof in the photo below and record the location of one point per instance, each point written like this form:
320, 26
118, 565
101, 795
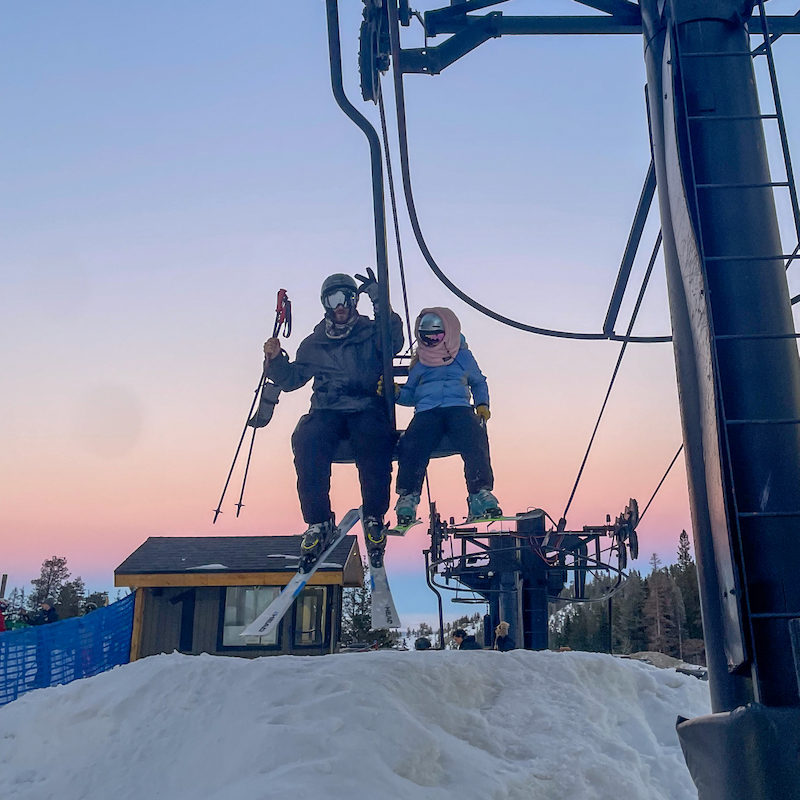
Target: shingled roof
221, 554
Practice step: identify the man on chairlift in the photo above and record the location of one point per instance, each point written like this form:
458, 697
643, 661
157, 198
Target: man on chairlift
343, 356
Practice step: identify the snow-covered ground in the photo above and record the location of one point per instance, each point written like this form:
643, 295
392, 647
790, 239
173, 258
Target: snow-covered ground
380, 725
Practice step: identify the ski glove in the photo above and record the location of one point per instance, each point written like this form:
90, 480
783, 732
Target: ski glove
483, 413
380, 388
369, 285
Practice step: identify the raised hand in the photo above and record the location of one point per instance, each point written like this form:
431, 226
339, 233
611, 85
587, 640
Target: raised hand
369, 285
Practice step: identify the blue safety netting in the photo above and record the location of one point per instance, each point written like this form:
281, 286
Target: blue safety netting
48, 655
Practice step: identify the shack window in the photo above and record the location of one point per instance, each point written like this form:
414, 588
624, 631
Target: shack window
309, 616
242, 605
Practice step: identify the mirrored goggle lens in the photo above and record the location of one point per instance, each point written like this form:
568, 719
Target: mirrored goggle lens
339, 298
431, 338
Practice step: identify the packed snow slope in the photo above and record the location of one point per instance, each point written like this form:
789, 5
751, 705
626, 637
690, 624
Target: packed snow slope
422, 725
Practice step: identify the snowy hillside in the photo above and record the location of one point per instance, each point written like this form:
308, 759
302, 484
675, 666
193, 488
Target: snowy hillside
377, 725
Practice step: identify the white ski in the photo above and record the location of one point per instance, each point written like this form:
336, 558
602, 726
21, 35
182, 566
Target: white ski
270, 618
384, 614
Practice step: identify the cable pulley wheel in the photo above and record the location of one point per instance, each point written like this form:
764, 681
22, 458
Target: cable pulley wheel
374, 48
633, 544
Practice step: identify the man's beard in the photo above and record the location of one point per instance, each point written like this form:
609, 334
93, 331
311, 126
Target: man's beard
333, 330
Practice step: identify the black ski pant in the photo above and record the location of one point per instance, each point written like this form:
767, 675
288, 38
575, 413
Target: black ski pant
423, 436
314, 442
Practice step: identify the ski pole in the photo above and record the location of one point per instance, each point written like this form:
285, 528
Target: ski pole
218, 509
283, 318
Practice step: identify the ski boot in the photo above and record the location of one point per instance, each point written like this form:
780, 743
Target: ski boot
406, 509
314, 542
375, 538
483, 505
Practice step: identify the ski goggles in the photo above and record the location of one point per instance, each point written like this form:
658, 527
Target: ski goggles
339, 297
431, 338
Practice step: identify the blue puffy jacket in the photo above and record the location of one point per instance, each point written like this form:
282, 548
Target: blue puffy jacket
449, 385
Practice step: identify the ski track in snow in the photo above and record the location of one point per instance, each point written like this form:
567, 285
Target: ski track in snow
425, 725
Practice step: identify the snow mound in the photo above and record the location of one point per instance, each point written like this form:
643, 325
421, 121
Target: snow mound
422, 725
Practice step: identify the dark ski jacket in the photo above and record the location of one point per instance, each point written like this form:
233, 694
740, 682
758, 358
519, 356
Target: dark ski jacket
469, 643
345, 371
504, 644
44, 617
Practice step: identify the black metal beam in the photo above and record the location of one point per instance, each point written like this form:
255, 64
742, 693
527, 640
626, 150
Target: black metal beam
762, 48
780, 25
631, 248
432, 60
471, 32
455, 14
618, 8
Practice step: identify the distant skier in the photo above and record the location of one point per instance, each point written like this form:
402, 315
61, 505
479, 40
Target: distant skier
443, 374
502, 640
47, 613
343, 356
465, 641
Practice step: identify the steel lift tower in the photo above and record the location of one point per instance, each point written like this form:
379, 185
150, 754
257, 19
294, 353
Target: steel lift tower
739, 384
735, 345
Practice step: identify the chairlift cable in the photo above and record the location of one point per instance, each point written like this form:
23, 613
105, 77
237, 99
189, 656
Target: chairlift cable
635, 313
395, 224
671, 464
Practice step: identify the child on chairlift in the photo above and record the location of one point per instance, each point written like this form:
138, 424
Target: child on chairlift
442, 376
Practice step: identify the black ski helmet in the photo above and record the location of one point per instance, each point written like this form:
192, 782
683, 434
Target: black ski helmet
339, 282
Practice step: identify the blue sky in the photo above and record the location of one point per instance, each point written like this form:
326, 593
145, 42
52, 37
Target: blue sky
167, 167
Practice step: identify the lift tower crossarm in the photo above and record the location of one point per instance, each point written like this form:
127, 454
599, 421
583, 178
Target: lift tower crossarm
469, 32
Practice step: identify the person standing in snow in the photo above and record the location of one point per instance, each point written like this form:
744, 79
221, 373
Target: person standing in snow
47, 613
502, 641
464, 640
3, 607
343, 356
442, 377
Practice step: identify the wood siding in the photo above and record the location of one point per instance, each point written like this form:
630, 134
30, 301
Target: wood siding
161, 626
188, 579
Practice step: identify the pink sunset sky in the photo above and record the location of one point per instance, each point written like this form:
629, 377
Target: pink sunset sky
167, 169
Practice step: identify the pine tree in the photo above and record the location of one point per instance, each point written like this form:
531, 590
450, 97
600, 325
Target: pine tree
357, 612
357, 617
630, 635
655, 562
684, 573
684, 554
53, 576
663, 613
71, 599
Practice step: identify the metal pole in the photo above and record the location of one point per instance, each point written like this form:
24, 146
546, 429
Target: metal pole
383, 312
720, 202
727, 691
739, 388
